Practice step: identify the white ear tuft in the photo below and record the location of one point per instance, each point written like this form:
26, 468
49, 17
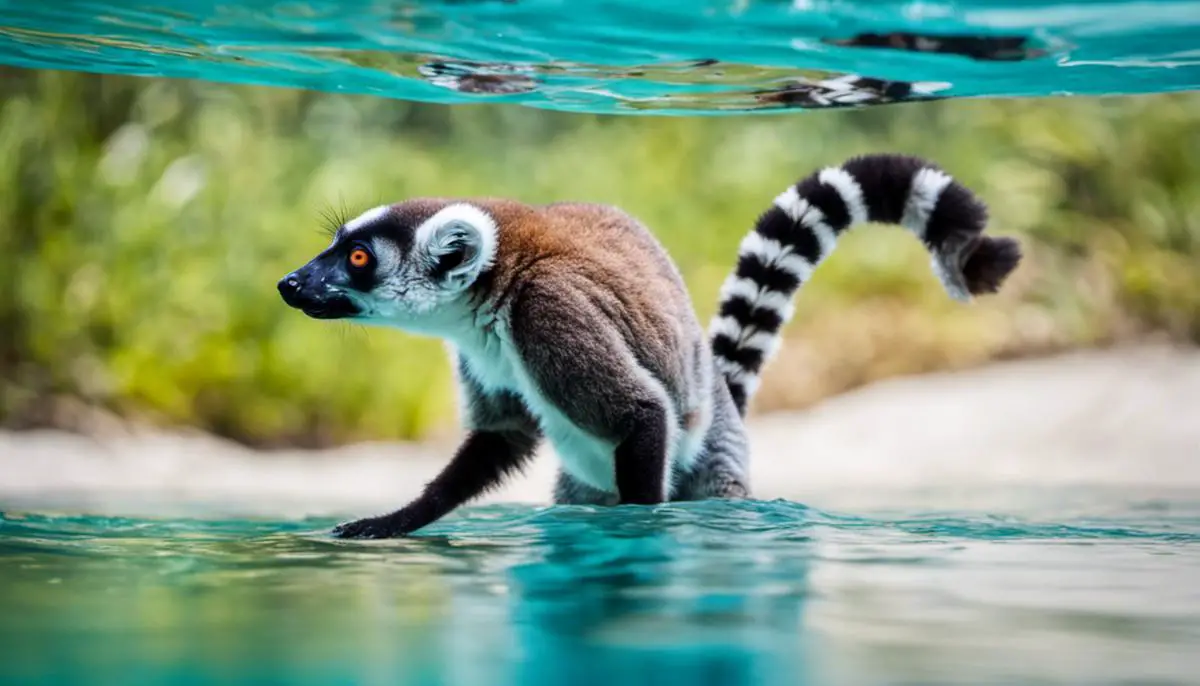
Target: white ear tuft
459, 242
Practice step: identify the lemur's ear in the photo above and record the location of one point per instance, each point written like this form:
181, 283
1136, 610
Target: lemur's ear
459, 243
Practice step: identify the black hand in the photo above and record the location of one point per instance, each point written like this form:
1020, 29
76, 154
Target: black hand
388, 526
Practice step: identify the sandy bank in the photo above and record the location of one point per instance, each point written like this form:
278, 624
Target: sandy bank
1126, 421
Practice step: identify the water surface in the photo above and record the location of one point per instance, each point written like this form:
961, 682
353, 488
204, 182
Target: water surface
628, 56
711, 593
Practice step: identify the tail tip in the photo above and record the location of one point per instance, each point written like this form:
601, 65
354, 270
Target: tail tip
990, 264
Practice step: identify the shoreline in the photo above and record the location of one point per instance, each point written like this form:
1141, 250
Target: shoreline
1123, 421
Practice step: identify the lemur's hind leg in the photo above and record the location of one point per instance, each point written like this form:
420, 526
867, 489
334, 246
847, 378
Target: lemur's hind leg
571, 491
721, 469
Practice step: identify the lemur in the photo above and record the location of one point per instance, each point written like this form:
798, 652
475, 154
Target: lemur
569, 322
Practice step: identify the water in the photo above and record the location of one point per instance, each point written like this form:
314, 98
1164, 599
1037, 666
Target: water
663, 57
710, 593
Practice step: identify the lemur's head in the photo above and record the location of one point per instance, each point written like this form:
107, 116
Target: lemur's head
395, 264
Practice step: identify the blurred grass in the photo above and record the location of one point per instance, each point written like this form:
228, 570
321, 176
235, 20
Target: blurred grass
144, 223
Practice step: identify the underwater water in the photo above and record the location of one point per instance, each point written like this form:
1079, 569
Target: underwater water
664, 57
707, 593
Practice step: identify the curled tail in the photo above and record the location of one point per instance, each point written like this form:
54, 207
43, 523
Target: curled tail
801, 229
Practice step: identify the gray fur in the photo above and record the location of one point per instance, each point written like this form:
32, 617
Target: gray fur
722, 468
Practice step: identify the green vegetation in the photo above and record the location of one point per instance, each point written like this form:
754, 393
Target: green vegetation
143, 224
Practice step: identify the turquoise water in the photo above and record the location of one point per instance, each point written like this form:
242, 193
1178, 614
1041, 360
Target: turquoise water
691, 57
712, 593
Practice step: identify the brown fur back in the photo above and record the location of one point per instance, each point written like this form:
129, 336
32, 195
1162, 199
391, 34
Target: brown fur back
613, 259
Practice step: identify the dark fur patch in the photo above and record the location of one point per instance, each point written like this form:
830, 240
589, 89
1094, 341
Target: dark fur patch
957, 212
750, 359
769, 277
885, 181
826, 199
760, 318
805, 243
776, 225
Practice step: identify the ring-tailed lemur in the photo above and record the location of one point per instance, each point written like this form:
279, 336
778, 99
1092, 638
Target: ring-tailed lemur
569, 321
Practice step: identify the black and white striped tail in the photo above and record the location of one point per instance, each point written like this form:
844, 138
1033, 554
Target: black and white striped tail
801, 229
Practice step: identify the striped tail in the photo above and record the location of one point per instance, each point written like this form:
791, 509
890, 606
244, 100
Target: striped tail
801, 229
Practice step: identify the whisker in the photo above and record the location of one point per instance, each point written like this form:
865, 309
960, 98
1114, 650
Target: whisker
343, 213
331, 221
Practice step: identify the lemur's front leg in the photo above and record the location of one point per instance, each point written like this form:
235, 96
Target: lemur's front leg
502, 438
482, 462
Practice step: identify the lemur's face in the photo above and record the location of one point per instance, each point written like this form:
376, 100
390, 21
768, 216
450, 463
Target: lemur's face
396, 265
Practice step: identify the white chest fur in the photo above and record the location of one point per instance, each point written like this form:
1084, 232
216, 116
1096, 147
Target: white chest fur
491, 360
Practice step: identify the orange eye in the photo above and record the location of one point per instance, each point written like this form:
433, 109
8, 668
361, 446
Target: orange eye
359, 258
